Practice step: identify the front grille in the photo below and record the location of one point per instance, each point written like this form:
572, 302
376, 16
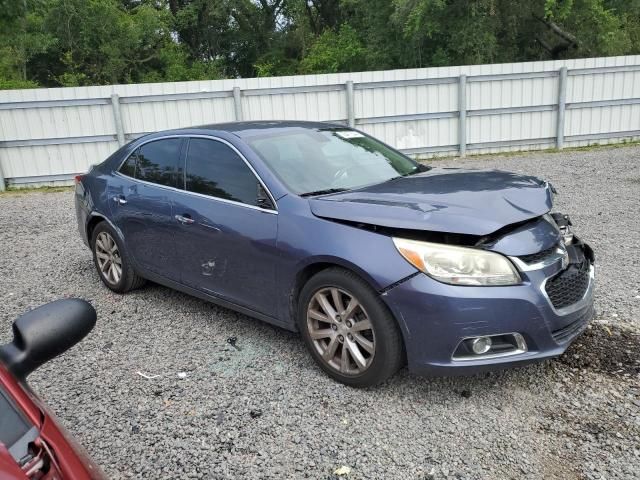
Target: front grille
538, 257
568, 286
565, 334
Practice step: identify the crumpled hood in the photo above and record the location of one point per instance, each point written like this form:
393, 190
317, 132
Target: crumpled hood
451, 200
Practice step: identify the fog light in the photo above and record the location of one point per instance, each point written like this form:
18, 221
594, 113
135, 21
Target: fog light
489, 347
481, 345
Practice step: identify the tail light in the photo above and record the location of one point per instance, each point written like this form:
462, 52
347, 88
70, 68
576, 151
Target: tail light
78, 179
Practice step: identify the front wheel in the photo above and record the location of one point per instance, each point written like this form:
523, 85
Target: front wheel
348, 330
111, 262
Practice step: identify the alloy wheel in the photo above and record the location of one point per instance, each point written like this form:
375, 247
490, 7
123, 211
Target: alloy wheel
108, 257
341, 330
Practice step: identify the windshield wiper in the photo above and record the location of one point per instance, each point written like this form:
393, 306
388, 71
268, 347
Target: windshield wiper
323, 192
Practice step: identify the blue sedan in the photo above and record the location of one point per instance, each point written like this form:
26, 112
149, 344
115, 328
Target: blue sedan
375, 259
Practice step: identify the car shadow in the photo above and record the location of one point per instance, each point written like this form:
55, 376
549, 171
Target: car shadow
254, 339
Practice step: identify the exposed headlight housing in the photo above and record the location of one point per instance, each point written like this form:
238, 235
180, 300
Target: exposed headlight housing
458, 265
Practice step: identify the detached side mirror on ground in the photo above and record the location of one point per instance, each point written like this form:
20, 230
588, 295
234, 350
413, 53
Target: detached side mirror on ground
44, 333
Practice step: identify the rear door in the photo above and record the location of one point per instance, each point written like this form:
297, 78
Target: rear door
141, 196
226, 243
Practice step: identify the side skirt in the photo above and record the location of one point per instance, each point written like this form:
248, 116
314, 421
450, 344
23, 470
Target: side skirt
216, 300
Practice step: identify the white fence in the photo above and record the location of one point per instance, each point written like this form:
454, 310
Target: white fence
48, 135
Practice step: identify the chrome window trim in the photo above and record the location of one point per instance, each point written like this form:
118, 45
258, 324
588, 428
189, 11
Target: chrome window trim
195, 194
214, 139
583, 302
520, 349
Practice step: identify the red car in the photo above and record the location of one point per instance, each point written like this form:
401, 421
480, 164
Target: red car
33, 445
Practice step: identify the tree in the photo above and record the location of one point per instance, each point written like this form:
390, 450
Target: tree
235, 33
591, 27
335, 52
445, 32
323, 15
99, 42
94, 42
21, 38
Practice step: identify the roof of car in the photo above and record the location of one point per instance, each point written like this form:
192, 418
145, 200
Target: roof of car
239, 127
249, 129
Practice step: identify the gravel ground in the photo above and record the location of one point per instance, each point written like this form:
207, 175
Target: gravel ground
266, 411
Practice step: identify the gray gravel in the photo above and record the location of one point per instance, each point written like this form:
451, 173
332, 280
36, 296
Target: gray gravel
267, 412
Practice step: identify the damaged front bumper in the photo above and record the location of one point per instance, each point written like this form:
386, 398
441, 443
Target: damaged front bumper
534, 320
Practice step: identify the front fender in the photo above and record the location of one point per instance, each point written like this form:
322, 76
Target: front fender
304, 240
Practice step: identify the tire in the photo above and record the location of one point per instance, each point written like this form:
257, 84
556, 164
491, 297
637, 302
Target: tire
380, 347
103, 241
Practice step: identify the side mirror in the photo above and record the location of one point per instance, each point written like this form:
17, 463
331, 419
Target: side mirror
46, 332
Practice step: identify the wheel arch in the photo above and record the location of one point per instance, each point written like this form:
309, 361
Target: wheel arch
94, 219
313, 266
92, 223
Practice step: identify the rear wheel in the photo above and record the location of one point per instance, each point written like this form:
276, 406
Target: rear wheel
348, 330
111, 261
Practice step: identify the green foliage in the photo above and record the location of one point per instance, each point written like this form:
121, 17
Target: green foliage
8, 84
22, 36
179, 67
601, 28
558, 9
446, 32
97, 42
100, 42
334, 52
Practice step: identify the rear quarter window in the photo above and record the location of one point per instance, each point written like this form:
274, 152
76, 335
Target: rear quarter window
128, 168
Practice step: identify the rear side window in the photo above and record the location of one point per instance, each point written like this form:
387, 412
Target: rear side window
214, 169
155, 162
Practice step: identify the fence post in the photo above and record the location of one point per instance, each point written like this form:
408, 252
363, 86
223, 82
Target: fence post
562, 97
117, 118
237, 103
3, 185
351, 116
462, 118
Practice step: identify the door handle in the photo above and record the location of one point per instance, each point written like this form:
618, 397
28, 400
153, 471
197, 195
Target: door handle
120, 200
184, 219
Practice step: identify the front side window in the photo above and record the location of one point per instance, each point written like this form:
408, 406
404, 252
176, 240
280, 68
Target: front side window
214, 169
155, 162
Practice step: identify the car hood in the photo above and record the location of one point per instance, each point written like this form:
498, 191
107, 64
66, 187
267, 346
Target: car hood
451, 200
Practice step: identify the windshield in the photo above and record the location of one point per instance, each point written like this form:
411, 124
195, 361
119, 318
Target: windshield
322, 161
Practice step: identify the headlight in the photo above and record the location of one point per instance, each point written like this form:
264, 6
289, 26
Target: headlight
458, 265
